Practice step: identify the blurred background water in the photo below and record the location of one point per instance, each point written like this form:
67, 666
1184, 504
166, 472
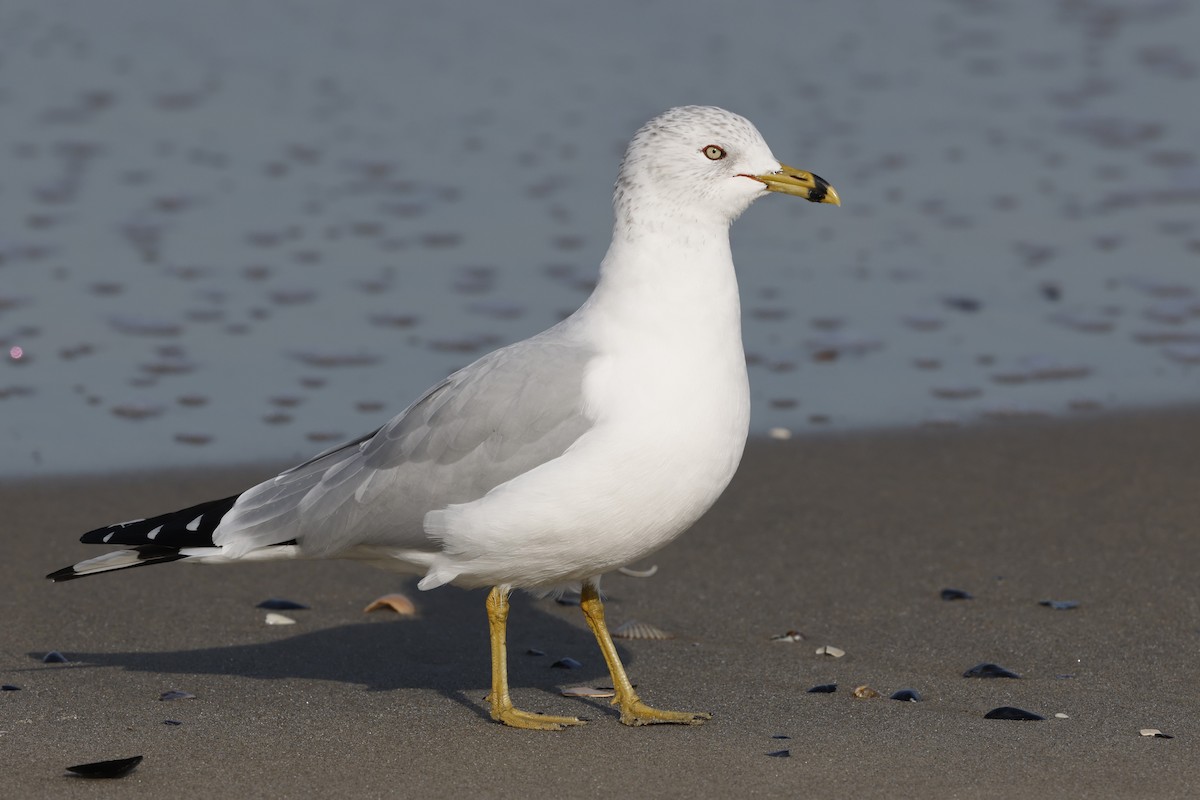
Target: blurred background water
244, 231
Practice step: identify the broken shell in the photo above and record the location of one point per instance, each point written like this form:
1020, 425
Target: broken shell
640, 630
176, 694
790, 636
396, 602
116, 768
639, 573
279, 619
865, 692
588, 691
1061, 715
907, 695
1155, 732
830, 650
780, 754
55, 657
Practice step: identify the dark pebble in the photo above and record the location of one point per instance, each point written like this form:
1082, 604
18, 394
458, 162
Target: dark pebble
171, 722
1059, 605
907, 695
279, 604
780, 754
8, 687
533, 651
54, 657
566, 663
781, 736
176, 694
956, 594
117, 768
989, 670
824, 688
1008, 712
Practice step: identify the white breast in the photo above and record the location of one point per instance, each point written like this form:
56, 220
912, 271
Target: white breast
670, 400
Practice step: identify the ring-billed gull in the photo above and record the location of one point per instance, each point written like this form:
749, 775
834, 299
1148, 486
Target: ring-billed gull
556, 459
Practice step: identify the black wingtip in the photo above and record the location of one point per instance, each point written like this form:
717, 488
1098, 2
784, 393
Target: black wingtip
188, 527
64, 574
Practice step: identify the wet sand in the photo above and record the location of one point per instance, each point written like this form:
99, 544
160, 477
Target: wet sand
848, 539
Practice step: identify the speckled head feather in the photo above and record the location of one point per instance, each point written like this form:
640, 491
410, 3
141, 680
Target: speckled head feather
666, 177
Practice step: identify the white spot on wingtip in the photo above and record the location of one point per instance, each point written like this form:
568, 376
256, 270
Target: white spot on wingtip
107, 536
194, 525
154, 532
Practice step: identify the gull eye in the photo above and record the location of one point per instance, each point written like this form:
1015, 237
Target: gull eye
713, 152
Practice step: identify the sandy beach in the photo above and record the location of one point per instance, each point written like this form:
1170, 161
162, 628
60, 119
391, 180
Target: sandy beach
848, 539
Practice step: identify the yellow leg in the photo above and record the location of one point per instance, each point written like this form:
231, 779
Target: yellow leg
502, 704
633, 710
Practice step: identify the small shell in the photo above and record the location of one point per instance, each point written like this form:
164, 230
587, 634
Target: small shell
865, 692
396, 602
588, 691
279, 619
789, 636
640, 630
639, 573
830, 650
566, 662
1059, 605
176, 694
280, 604
989, 670
1013, 713
1061, 715
116, 768
1156, 733
55, 657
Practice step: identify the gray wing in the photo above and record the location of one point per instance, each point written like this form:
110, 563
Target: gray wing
507, 413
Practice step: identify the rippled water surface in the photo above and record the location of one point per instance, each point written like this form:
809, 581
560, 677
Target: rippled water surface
234, 232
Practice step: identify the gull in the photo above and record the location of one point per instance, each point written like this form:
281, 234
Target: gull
554, 460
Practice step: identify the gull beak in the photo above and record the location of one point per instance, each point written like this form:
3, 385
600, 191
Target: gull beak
801, 183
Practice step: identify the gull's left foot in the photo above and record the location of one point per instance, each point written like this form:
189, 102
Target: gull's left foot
638, 713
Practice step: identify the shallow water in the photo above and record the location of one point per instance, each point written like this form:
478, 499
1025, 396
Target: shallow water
232, 234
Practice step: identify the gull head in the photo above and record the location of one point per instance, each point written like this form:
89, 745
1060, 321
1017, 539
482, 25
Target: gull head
705, 165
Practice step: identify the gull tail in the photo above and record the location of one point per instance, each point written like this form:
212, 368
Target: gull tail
180, 534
